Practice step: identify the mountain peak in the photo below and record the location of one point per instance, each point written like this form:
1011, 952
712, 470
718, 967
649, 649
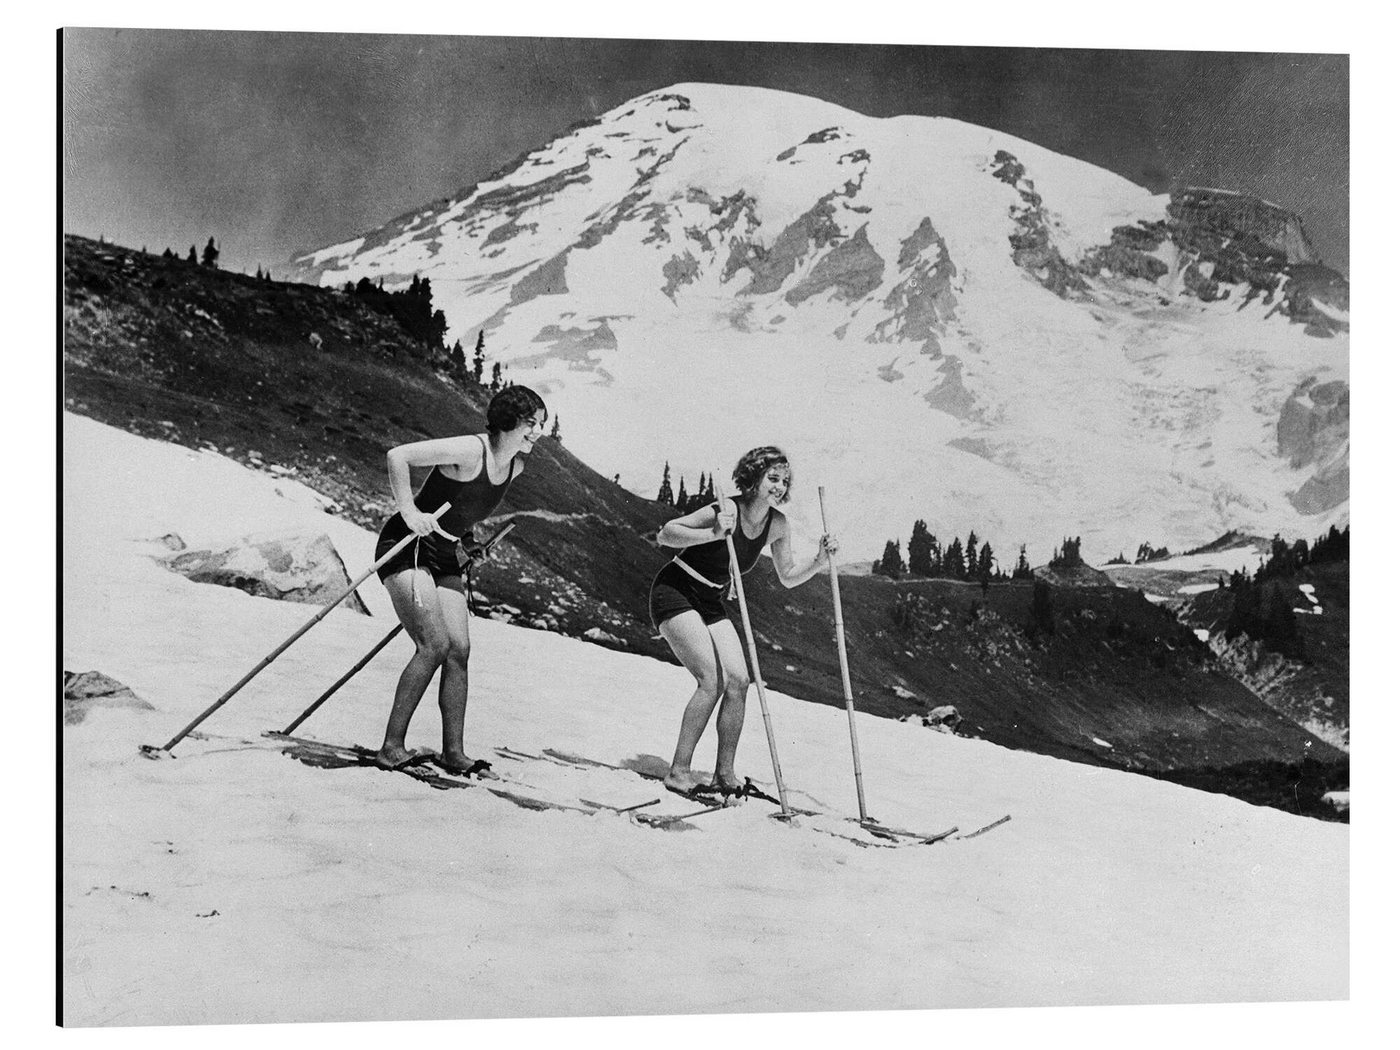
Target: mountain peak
951, 323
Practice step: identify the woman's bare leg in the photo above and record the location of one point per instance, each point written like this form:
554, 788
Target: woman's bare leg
452, 683
695, 648
730, 722
422, 617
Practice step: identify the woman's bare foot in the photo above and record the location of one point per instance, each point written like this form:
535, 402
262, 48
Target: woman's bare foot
683, 782
727, 784
461, 763
392, 756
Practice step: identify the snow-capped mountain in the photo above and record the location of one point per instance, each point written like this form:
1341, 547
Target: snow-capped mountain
936, 320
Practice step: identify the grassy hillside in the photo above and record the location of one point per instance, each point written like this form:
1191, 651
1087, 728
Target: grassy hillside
205, 358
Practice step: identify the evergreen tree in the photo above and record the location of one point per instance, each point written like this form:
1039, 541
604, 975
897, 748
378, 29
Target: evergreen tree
920, 550
167, 254
985, 559
935, 557
1335, 546
437, 329
1067, 556
682, 500
458, 358
554, 430
1023, 567
1146, 552
970, 554
496, 383
479, 358
891, 563
211, 254
664, 495
194, 256
953, 565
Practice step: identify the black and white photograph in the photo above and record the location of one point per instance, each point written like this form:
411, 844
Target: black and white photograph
654, 524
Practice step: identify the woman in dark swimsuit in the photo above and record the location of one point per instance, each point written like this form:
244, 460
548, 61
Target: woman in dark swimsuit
687, 609
472, 473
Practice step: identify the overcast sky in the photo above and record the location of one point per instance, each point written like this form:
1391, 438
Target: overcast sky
276, 143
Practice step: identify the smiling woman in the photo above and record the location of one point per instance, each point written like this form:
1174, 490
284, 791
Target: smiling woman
470, 475
688, 610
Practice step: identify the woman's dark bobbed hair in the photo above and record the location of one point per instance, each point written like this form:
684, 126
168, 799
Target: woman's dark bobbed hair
511, 405
754, 463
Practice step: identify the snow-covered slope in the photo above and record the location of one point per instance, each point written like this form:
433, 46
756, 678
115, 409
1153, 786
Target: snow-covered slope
231, 884
937, 320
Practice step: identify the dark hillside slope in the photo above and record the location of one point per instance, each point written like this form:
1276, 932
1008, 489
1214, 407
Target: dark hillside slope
1120, 682
200, 357
211, 359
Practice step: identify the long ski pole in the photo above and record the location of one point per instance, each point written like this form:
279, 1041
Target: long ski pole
378, 647
845, 666
150, 751
495, 538
753, 659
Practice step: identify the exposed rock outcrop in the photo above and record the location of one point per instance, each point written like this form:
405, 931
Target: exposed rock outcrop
294, 568
850, 270
1314, 422
85, 691
1314, 428
813, 230
1032, 247
1219, 240
921, 303
1274, 679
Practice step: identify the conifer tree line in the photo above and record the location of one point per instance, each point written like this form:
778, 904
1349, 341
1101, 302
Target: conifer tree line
209, 257
1287, 560
972, 559
680, 499
1262, 605
412, 308
1067, 555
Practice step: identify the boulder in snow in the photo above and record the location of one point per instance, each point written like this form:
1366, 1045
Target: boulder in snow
602, 637
292, 567
85, 690
944, 718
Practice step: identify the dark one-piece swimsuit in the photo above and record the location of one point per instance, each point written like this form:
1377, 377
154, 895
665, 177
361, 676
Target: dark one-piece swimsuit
472, 501
674, 590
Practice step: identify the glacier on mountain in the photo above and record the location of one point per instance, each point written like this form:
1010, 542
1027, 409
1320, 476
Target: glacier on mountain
936, 320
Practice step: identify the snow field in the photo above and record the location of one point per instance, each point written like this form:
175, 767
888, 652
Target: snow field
355, 895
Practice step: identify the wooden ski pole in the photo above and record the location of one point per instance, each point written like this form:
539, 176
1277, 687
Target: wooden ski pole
151, 751
753, 659
845, 667
398, 628
495, 537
